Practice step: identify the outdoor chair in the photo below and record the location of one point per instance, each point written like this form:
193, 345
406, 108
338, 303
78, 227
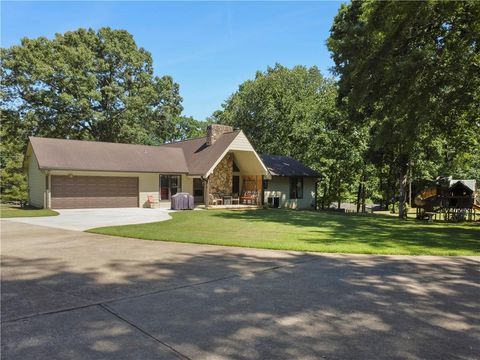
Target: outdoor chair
152, 203
214, 199
235, 199
249, 197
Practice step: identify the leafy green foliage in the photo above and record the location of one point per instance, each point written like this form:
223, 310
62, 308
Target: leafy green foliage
186, 127
409, 72
83, 84
293, 112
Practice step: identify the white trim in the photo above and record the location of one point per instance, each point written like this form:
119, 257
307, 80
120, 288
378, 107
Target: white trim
209, 172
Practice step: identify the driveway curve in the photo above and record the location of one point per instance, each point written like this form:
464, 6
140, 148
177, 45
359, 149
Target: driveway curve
74, 295
84, 219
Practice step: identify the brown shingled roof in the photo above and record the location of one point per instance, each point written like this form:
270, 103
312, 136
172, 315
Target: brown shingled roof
287, 166
59, 154
199, 156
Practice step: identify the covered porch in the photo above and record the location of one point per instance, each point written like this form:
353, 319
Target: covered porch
236, 182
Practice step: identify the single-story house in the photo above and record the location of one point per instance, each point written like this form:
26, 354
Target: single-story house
218, 170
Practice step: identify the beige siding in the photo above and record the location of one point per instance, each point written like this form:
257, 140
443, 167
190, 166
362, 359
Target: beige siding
280, 187
187, 184
36, 183
241, 143
148, 183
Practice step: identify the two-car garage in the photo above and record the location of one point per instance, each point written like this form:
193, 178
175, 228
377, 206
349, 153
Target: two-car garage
77, 192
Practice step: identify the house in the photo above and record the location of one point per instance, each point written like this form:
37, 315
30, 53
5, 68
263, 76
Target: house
292, 184
222, 169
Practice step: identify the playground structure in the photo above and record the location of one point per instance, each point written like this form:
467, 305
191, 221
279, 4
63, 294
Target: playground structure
450, 200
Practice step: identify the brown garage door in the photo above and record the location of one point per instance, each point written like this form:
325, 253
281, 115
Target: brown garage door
79, 192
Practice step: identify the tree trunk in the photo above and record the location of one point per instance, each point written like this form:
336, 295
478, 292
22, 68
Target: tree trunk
359, 192
339, 194
324, 195
402, 195
364, 190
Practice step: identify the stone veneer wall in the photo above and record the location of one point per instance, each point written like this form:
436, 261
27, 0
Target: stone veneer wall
220, 181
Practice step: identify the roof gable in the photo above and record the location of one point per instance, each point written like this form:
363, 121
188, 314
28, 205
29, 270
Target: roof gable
201, 157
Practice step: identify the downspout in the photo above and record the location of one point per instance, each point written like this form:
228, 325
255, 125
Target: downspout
263, 191
46, 203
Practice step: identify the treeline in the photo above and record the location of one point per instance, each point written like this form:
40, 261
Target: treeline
402, 107
87, 85
405, 107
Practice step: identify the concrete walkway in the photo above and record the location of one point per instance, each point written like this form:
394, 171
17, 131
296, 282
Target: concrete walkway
84, 219
72, 295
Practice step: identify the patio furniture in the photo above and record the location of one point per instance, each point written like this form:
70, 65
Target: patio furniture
214, 199
227, 200
235, 199
249, 198
152, 203
182, 201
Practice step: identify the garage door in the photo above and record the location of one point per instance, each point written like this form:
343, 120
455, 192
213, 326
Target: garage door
79, 192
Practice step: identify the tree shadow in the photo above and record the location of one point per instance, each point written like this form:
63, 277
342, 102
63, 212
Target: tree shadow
242, 304
377, 231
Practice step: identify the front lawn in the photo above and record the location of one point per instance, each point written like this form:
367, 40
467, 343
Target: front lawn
309, 231
9, 211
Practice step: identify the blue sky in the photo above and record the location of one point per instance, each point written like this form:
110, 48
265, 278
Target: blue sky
208, 47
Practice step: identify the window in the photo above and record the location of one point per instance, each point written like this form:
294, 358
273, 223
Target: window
236, 184
169, 185
296, 188
265, 184
197, 187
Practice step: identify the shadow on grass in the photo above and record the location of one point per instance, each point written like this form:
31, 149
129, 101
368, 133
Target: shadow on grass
374, 230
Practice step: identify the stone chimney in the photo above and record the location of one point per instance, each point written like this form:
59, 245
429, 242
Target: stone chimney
214, 132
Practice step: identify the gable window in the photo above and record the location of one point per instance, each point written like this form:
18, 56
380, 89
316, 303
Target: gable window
169, 186
296, 188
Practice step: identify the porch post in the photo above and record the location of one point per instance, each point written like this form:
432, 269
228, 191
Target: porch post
262, 194
205, 191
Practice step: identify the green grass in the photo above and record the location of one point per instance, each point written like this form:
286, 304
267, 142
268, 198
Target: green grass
309, 231
9, 211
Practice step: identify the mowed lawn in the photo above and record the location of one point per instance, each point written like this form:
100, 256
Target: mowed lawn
8, 211
309, 231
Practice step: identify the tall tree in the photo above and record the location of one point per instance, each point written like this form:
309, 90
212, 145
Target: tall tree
186, 127
83, 84
88, 84
410, 70
293, 112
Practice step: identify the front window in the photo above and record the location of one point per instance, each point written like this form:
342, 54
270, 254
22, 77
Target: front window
197, 187
296, 188
169, 186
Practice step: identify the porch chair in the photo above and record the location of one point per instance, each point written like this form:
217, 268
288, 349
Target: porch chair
235, 199
249, 197
152, 203
214, 199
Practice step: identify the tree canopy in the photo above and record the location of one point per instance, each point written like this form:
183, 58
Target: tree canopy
409, 72
293, 112
88, 84
83, 84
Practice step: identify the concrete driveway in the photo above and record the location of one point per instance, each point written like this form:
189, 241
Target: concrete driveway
84, 219
72, 295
